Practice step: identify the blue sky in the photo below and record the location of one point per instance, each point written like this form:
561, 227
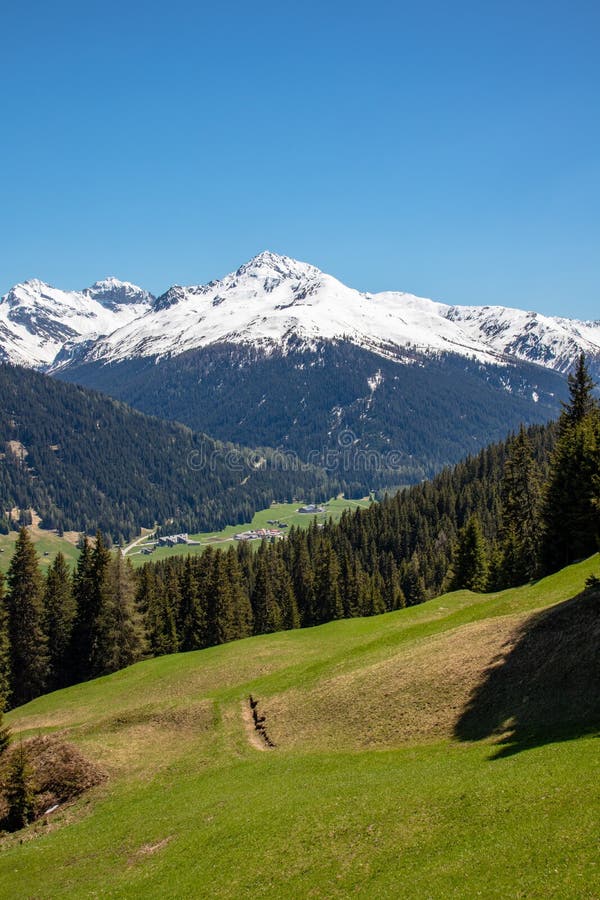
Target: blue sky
448, 149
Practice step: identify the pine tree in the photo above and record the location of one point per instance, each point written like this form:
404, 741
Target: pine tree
84, 595
520, 515
127, 639
470, 565
28, 645
19, 791
267, 613
4, 649
581, 395
5, 735
59, 615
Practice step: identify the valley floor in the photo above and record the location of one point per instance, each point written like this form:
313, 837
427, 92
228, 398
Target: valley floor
446, 750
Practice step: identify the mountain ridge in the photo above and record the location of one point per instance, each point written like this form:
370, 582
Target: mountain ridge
269, 301
37, 321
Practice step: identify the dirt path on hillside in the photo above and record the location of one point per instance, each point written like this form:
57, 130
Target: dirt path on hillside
254, 738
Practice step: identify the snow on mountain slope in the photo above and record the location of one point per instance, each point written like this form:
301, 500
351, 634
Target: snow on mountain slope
273, 299
36, 320
548, 341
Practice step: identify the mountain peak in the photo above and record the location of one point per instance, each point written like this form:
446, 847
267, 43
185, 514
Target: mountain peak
111, 292
269, 264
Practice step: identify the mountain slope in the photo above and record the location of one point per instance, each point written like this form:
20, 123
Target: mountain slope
336, 404
38, 321
371, 791
273, 299
281, 354
268, 301
83, 461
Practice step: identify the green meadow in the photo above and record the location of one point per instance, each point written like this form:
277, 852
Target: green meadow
277, 512
448, 750
47, 545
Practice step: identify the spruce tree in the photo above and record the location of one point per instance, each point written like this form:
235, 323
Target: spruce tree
101, 659
82, 634
240, 598
571, 520
470, 564
304, 580
284, 590
156, 607
328, 599
19, 790
127, 639
59, 615
5, 735
267, 613
570, 516
520, 514
191, 622
411, 581
4, 649
393, 594
28, 645
581, 395
221, 612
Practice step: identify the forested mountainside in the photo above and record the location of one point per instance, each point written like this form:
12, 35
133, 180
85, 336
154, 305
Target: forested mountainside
416, 415
85, 462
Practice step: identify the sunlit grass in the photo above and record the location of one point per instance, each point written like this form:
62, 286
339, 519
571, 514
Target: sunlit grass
367, 791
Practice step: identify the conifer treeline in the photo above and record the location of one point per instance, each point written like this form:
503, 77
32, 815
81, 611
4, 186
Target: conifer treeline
515, 511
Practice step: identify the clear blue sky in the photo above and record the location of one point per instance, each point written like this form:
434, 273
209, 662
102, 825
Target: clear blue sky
451, 149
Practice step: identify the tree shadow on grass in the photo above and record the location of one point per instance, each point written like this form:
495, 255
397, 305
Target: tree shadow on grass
545, 686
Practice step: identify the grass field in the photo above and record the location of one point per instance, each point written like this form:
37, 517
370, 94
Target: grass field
280, 512
46, 542
377, 785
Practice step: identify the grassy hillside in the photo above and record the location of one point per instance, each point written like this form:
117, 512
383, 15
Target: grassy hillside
418, 754
46, 542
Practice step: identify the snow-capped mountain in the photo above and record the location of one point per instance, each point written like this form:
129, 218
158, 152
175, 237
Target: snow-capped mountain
281, 354
270, 301
273, 300
549, 341
37, 320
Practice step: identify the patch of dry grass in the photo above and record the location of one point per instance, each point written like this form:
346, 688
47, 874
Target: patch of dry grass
59, 773
416, 694
142, 741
